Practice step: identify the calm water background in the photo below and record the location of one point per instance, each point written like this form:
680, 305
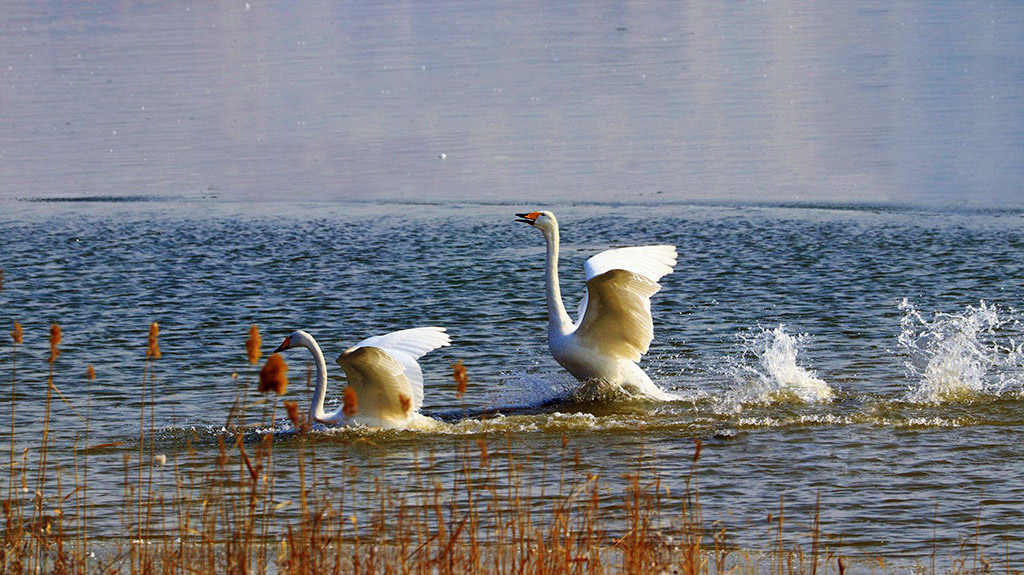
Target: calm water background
843, 184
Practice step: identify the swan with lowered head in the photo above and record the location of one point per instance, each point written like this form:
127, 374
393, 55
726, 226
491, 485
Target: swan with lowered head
383, 372
613, 328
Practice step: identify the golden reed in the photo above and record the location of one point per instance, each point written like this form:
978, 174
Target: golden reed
274, 375
252, 345
153, 349
460, 377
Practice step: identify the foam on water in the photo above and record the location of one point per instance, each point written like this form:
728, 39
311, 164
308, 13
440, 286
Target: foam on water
767, 372
960, 357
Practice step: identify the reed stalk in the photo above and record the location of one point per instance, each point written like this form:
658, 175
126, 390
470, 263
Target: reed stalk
481, 508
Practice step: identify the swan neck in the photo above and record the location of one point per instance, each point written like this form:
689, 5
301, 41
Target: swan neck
558, 319
316, 407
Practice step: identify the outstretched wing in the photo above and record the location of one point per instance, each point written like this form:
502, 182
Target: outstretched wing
415, 342
403, 348
651, 262
616, 314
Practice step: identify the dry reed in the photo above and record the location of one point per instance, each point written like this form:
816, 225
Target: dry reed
488, 515
349, 401
274, 375
460, 377
252, 345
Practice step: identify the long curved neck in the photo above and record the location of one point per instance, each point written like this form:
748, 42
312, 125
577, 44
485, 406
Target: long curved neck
316, 407
558, 319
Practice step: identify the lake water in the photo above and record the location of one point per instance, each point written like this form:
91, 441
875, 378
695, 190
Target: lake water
842, 183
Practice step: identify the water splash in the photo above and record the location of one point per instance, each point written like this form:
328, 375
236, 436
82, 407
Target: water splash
768, 371
960, 357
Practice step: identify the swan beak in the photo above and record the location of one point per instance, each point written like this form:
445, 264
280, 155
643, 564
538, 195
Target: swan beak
287, 343
530, 218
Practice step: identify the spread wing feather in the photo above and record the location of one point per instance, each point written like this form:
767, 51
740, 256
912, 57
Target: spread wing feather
392, 367
651, 262
415, 342
379, 381
616, 318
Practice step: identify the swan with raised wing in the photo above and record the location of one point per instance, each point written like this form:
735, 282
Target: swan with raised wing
382, 371
614, 328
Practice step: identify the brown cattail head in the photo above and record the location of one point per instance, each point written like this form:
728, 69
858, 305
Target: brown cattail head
16, 333
252, 345
696, 451
90, 372
460, 377
153, 350
349, 402
54, 341
406, 402
274, 375
301, 424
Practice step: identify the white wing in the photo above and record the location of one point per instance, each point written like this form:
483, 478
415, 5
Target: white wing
651, 262
380, 384
616, 314
415, 342
403, 348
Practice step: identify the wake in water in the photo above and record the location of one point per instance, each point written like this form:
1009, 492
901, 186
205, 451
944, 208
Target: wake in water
767, 372
957, 357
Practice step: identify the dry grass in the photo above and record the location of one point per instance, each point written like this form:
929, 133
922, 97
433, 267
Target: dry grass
227, 515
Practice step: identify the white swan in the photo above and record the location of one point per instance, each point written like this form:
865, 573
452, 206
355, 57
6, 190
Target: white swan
383, 372
613, 328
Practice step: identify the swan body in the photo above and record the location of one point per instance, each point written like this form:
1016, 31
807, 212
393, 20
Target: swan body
613, 329
383, 372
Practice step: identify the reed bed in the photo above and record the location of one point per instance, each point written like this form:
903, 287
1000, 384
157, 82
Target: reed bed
228, 515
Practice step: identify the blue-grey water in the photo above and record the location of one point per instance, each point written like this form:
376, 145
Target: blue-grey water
843, 184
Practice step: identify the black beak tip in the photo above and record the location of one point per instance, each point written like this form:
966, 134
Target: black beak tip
279, 349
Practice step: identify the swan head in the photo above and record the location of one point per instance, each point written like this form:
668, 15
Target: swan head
543, 220
298, 338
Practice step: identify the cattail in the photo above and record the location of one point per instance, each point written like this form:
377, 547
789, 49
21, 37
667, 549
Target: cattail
252, 345
153, 350
460, 377
349, 402
482, 444
54, 341
406, 402
16, 333
300, 423
90, 372
696, 451
274, 375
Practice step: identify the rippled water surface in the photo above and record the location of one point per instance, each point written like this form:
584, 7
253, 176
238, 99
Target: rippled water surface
872, 356
843, 184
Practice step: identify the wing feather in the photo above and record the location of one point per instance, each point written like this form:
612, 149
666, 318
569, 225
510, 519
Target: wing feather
651, 262
415, 342
399, 373
616, 320
378, 380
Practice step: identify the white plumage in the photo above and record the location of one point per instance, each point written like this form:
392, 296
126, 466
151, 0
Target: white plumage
383, 372
613, 328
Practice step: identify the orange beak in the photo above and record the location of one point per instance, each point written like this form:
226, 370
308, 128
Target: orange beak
287, 343
530, 218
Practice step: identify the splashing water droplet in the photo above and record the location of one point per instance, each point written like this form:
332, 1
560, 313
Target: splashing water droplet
959, 357
769, 373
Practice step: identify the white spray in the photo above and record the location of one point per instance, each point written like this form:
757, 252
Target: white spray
774, 375
959, 357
